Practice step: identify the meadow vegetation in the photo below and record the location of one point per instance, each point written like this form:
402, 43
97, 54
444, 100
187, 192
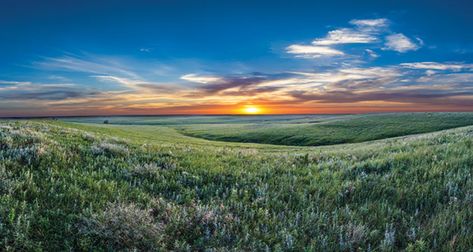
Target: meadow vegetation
69, 186
294, 130
329, 130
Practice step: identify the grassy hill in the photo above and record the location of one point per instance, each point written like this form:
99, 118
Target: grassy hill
67, 186
330, 130
295, 130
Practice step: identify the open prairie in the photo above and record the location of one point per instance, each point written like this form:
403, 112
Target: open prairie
210, 125
297, 130
381, 182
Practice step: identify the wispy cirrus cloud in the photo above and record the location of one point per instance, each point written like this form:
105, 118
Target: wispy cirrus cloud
113, 70
86, 64
312, 51
370, 23
9, 83
200, 78
455, 66
139, 85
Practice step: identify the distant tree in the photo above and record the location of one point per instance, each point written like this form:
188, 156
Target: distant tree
105, 122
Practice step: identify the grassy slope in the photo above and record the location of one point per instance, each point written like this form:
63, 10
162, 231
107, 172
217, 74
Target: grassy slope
343, 129
65, 188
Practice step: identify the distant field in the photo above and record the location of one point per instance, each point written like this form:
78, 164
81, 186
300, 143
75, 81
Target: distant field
299, 130
189, 120
327, 131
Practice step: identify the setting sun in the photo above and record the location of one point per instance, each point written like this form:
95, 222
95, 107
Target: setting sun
251, 110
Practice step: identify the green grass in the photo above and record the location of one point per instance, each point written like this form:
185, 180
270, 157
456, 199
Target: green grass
332, 130
95, 187
294, 130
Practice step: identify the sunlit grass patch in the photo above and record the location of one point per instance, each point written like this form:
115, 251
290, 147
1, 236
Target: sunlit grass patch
107, 148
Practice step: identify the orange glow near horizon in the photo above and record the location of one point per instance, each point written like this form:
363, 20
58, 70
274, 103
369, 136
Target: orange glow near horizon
251, 110
260, 108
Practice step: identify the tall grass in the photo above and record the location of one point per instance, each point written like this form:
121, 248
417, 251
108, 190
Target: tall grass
69, 189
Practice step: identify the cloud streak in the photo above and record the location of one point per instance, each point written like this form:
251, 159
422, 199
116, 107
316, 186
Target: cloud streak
85, 64
438, 66
200, 78
310, 51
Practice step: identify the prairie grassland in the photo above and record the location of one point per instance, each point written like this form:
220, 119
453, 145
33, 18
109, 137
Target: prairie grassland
66, 186
328, 130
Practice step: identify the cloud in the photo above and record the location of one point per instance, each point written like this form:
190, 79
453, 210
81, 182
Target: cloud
376, 23
346, 85
365, 32
200, 79
345, 36
138, 85
86, 64
122, 81
308, 51
243, 85
397, 85
278, 86
457, 80
348, 74
400, 43
9, 83
251, 91
411, 96
438, 66
371, 53
430, 72
240, 83
47, 94
37, 91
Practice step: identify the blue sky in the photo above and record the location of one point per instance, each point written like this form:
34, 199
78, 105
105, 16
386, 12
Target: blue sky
154, 57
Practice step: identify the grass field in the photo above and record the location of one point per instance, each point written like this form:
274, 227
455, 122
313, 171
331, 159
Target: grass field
299, 130
144, 185
330, 130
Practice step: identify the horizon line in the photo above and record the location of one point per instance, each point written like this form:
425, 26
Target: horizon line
244, 115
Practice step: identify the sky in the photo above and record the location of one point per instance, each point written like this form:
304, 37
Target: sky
66, 58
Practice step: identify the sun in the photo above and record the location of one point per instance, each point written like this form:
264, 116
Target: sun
251, 109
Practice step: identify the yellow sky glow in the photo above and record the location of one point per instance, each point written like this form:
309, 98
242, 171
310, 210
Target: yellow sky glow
251, 109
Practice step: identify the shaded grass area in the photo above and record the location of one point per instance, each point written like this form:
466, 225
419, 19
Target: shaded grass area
338, 130
74, 187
